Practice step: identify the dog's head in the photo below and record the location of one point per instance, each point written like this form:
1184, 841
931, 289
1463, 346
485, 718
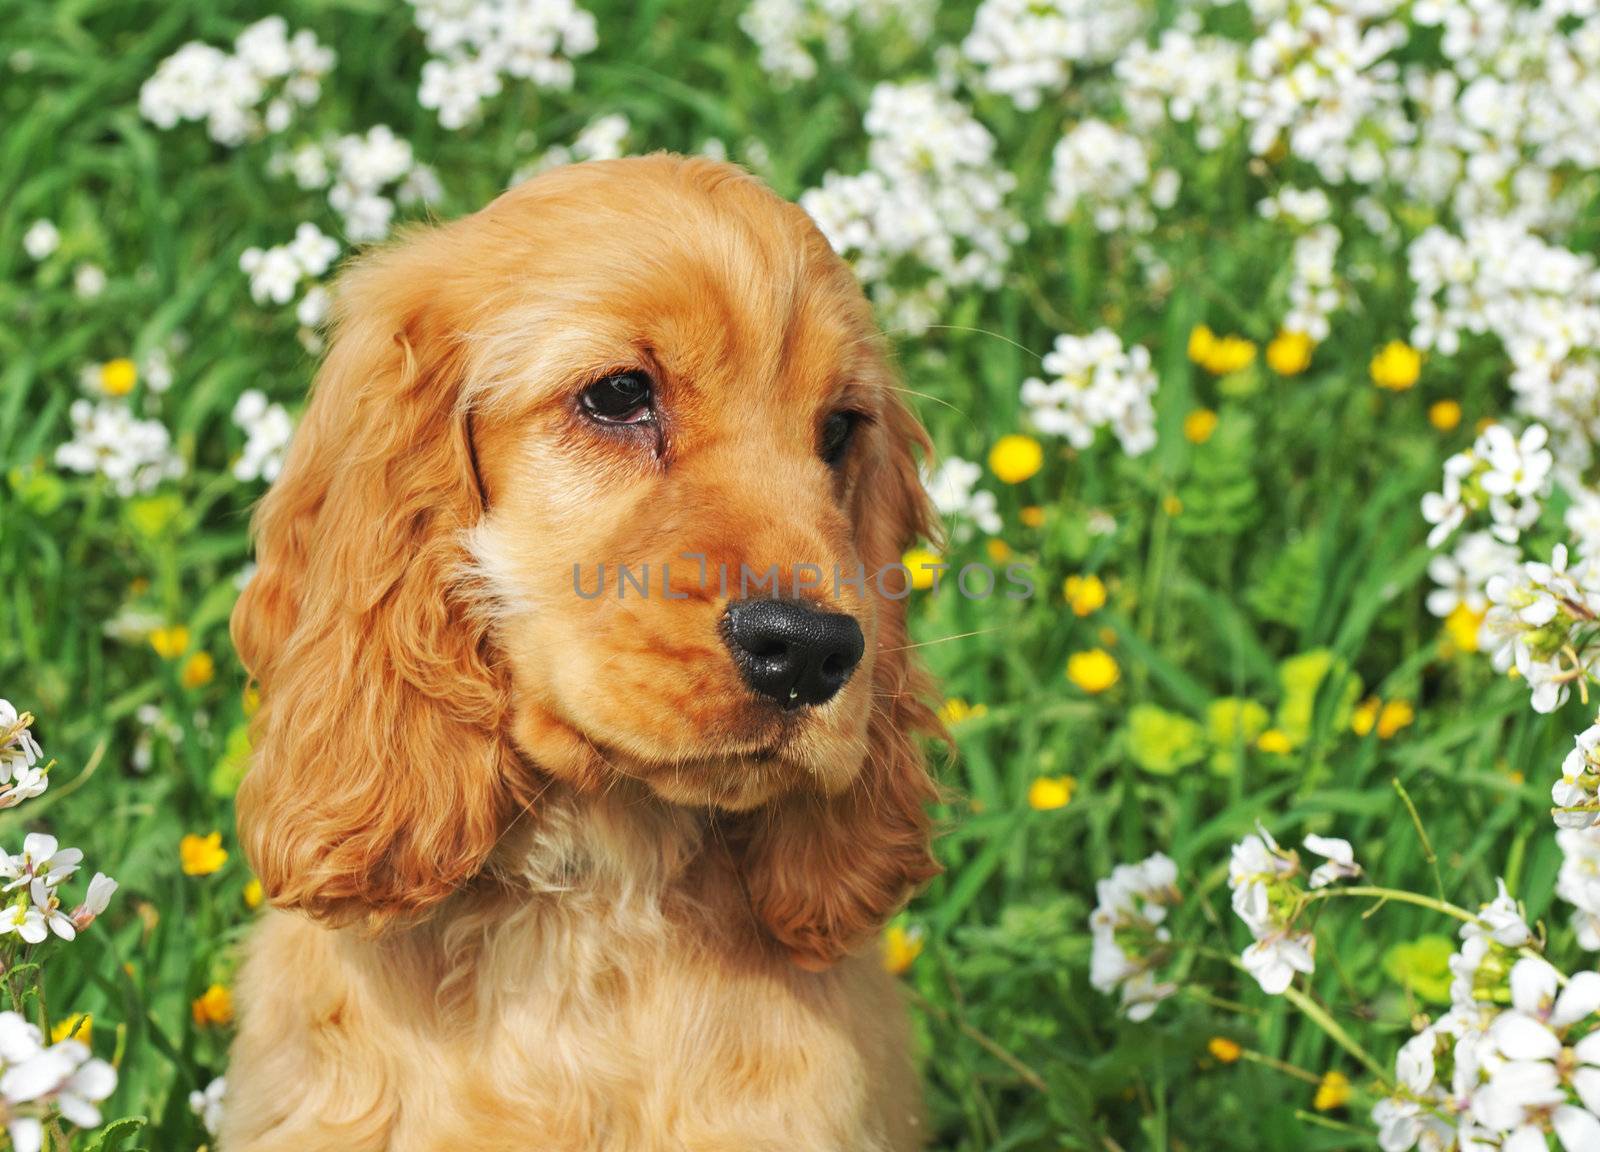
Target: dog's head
601, 481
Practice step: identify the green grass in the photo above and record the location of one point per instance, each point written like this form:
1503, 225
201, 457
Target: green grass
1294, 529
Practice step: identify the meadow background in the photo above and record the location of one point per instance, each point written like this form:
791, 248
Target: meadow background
1321, 260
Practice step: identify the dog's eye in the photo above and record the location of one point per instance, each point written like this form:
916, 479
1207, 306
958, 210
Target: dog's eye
621, 399
836, 433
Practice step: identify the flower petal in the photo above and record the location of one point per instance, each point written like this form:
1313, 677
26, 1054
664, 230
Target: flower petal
1579, 999
1521, 1037
1534, 983
1577, 1130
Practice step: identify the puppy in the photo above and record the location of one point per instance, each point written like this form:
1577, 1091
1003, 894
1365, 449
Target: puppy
562, 856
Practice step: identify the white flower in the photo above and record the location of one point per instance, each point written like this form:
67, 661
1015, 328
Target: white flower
1341, 861
134, 455
1502, 920
88, 281
274, 273
474, 43
1579, 786
792, 33
40, 240
1129, 936
1094, 383
25, 921
930, 211
42, 859
19, 751
1106, 173
314, 306
1462, 579
267, 68
314, 252
953, 489
207, 1105
1184, 79
1026, 48
95, 901
65, 1075
1273, 961
1525, 1092
268, 429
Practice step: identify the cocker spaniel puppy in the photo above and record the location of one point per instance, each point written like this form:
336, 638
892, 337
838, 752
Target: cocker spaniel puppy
578, 836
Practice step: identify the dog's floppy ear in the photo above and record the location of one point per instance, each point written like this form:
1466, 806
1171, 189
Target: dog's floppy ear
380, 778
824, 873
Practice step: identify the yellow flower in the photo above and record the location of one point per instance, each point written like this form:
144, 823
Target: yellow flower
1032, 516
922, 564
1397, 366
202, 855
79, 1026
1199, 425
250, 700
1274, 742
1226, 1051
1093, 671
1333, 1092
1086, 593
1365, 717
1219, 355
1395, 715
1229, 354
170, 642
1289, 353
1461, 627
198, 670
1172, 506
901, 946
1015, 458
999, 551
214, 1006
1387, 718
117, 377
1051, 792
955, 710
253, 894
1445, 415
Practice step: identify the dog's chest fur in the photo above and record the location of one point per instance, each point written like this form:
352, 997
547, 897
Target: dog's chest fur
612, 1000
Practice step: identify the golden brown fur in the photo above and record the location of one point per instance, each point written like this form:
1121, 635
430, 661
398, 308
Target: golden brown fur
550, 875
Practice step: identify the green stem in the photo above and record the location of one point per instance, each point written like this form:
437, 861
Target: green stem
1428, 853
1397, 895
1319, 1016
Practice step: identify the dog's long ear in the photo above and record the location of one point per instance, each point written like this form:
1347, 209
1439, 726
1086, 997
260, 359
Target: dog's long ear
380, 779
824, 873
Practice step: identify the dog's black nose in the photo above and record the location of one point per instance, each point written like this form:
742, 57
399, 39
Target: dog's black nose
790, 652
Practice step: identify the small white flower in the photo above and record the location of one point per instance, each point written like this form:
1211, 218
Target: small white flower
19, 751
88, 281
1095, 383
1502, 920
1340, 864
1274, 961
42, 859
207, 1105
95, 901
40, 240
1524, 1093
1129, 936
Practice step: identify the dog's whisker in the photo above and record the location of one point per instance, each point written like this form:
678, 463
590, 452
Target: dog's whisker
943, 639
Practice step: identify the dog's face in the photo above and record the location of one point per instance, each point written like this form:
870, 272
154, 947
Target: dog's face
692, 420
598, 482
